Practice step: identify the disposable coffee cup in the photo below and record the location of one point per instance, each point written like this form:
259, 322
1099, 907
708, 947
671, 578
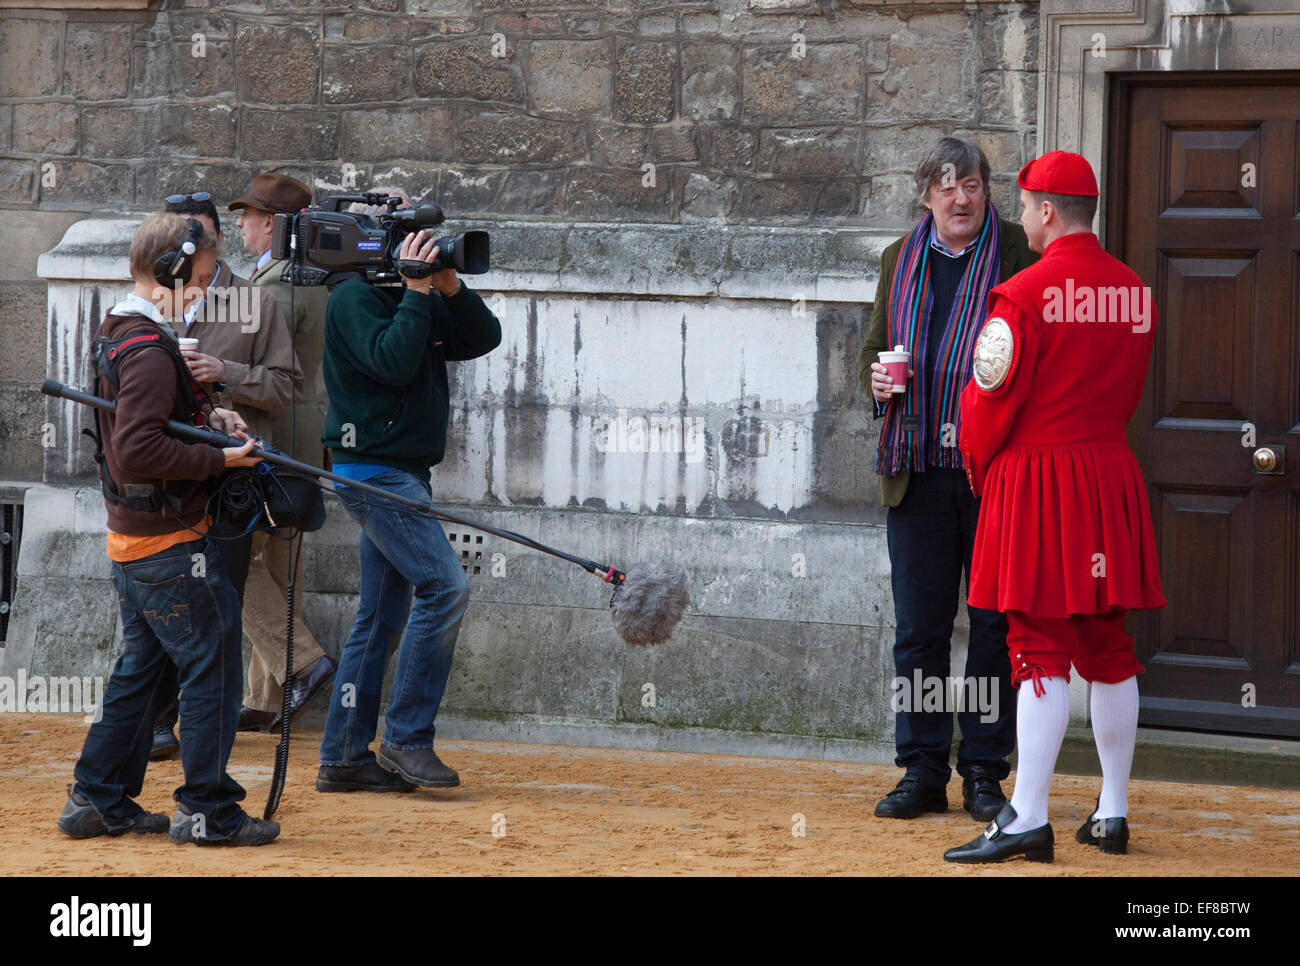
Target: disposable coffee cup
189, 344
896, 364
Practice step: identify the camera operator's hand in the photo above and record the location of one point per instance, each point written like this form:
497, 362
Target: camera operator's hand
204, 368
420, 247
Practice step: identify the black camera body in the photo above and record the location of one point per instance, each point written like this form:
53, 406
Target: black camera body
325, 245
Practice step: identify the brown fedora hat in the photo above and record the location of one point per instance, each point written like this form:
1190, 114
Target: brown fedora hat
276, 193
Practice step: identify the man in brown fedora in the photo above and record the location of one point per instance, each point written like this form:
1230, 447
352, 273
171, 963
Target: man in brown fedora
264, 602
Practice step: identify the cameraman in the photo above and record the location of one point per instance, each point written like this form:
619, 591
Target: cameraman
385, 368
179, 609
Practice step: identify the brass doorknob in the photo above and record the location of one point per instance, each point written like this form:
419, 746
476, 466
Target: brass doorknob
1265, 460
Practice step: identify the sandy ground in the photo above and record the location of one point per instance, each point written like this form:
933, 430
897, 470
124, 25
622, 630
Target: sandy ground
610, 812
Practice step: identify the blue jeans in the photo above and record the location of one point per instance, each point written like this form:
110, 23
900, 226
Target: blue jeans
181, 630
403, 553
931, 536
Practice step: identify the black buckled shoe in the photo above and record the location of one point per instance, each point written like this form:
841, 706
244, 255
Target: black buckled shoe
1108, 834
981, 793
418, 766
912, 797
164, 742
995, 845
360, 778
79, 820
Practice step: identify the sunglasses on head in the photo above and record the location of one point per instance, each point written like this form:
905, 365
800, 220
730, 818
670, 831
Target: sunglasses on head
192, 196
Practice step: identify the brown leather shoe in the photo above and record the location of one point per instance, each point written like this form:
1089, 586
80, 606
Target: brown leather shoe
251, 719
309, 683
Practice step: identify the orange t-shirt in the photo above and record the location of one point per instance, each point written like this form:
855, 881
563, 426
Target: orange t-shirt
124, 548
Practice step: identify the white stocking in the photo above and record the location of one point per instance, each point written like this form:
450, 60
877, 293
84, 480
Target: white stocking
1040, 728
1114, 727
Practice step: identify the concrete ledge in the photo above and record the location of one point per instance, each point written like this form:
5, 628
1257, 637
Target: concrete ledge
1184, 756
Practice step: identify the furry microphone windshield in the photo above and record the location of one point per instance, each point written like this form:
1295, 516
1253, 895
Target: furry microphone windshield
647, 605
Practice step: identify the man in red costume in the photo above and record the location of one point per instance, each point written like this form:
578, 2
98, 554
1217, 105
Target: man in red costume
1065, 544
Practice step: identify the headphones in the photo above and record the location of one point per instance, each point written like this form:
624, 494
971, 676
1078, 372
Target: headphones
178, 263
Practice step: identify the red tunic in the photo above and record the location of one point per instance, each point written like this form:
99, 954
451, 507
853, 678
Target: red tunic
1064, 525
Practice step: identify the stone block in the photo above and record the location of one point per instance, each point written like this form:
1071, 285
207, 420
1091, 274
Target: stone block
707, 197
535, 194
46, 128
672, 144
1002, 148
595, 195
891, 201
360, 26
1009, 37
297, 135
497, 138
374, 72
277, 64
379, 134
619, 146
85, 181
828, 152
912, 87
31, 57
121, 132
94, 65
466, 68
22, 414
898, 148
154, 182
710, 81
169, 68
1009, 96
788, 200
569, 77
471, 191
22, 331
727, 149
825, 85
643, 82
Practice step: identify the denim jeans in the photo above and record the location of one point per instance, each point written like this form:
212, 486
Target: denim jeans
931, 536
180, 629
403, 554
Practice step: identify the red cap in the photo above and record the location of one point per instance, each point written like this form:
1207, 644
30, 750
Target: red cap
1059, 173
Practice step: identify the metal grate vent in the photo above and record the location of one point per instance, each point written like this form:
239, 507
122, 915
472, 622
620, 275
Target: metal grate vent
471, 550
11, 533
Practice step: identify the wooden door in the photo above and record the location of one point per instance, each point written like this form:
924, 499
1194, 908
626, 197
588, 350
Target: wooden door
1203, 201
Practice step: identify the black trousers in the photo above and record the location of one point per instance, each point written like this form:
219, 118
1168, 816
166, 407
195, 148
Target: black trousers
931, 536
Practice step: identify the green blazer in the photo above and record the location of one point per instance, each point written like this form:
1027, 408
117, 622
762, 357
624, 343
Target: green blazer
1016, 257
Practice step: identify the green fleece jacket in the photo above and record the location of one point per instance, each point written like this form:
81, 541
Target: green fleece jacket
386, 373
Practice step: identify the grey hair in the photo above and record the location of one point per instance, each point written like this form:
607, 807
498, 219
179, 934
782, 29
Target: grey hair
357, 208
954, 158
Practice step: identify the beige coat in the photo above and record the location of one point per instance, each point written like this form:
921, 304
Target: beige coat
243, 327
307, 318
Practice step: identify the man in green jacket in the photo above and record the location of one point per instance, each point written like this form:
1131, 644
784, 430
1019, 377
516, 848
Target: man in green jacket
931, 300
386, 356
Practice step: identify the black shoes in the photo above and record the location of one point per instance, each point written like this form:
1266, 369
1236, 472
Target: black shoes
981, 794
251, 719
912, 797
254, 831
79, 820
1110, 834
419, 767
164, 742
995, 845
360, 778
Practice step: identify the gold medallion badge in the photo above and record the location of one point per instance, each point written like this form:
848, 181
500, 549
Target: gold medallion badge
993, 352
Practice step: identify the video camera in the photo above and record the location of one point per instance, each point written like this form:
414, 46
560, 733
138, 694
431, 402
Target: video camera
326, 245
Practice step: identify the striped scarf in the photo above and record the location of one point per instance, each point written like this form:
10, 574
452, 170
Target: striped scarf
933, 398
